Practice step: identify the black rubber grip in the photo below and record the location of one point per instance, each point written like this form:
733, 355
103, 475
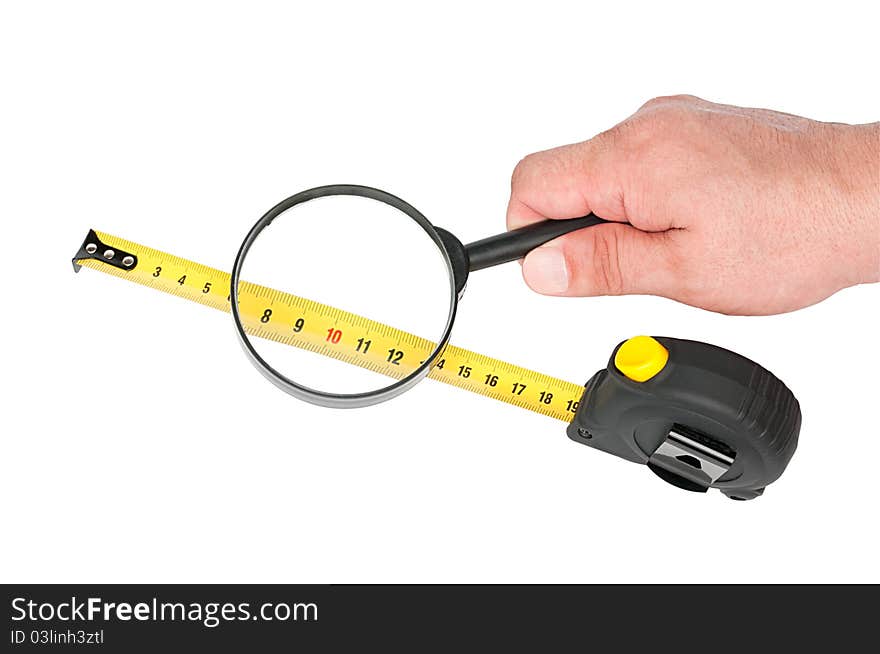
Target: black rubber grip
515, 244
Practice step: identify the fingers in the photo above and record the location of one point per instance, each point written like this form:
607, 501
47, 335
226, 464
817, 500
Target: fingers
566, 182
604, 260
609, 175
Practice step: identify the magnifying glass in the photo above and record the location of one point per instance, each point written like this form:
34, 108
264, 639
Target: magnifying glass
359, 250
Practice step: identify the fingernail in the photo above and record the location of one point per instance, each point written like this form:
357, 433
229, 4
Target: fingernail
545, 270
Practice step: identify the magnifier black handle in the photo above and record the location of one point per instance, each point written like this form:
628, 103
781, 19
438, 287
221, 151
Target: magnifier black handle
515, 244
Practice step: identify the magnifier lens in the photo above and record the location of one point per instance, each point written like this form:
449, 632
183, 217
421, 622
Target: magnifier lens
340, 255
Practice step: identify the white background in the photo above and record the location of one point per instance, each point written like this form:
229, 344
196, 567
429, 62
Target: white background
138, 443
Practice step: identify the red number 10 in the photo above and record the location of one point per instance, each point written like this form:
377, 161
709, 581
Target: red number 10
333, 335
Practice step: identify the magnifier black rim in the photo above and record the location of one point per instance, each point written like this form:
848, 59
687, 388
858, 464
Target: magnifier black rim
315, 396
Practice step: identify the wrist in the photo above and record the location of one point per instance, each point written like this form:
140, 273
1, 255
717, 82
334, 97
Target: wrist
858, 183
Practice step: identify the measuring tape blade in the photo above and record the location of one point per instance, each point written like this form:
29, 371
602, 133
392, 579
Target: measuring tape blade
326, 330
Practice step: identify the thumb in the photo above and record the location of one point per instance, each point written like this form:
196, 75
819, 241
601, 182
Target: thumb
610, 259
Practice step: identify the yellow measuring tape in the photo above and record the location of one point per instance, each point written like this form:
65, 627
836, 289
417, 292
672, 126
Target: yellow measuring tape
289, 319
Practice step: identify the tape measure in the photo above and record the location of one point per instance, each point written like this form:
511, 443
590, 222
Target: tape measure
697, 415
329, 331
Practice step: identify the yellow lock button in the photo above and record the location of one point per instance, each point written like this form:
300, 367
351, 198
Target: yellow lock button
640, 358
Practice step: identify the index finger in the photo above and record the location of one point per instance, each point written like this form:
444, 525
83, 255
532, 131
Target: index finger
564, 182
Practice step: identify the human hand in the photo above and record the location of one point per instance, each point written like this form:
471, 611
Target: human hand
741, 211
